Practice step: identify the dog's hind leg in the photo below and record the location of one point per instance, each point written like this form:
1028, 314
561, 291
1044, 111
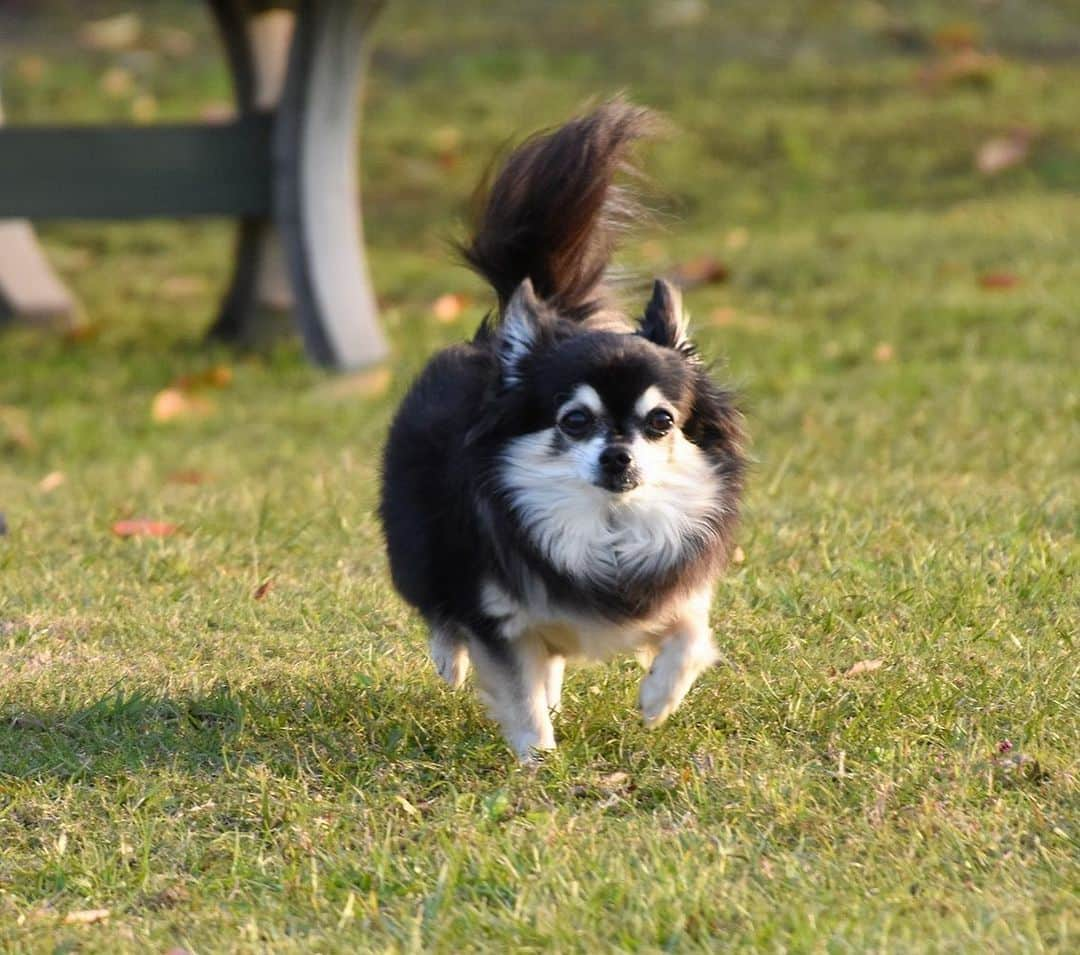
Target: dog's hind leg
450, 653
553, 683
513, 679
685, 653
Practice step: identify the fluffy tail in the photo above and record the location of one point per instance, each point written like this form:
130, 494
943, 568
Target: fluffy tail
553, 213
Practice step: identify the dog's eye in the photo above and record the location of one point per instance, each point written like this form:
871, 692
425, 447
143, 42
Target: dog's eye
658, 422
576, 423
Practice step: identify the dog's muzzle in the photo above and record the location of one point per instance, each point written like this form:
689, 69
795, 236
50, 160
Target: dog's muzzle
617, 470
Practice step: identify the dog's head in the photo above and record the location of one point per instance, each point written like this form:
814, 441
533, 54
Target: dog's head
594, 426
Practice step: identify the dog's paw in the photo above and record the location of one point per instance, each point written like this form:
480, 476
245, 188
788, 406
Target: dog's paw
451, 658
656, 702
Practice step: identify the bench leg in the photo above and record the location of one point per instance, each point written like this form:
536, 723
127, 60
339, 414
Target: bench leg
257, 50
306, 66
316, 194
29, 288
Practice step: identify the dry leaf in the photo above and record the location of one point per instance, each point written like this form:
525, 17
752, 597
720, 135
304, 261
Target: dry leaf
15, 434
702, 270
86, 917
173, 404
448, 308
737, 238
218, 376
957, 36
864, 666
1003, 152
176, 42
723, 316
884, 352
966, 67
144, 108
183, 286
31, 69
51, 481
369, 383
999, 280
111, 34
187, 477
616, 780
678, 13
141, 527
264, 588
738, 556
116, 82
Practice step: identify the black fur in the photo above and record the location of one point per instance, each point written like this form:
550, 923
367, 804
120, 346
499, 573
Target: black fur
449, 523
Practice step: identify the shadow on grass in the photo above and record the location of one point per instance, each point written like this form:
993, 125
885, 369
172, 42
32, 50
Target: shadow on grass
346, 731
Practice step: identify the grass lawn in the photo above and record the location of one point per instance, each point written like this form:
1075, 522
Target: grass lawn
287, 774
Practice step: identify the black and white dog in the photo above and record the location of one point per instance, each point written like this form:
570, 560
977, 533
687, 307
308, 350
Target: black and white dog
567, 483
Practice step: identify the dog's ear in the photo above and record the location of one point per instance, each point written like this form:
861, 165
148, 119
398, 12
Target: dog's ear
664, 323
524, 324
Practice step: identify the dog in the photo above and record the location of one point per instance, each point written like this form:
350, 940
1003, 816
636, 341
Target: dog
567, 483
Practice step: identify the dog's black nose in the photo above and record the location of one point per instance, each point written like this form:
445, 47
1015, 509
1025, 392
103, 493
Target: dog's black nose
615, 460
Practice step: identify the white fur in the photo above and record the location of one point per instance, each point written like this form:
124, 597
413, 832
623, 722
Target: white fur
594, 535
518, 332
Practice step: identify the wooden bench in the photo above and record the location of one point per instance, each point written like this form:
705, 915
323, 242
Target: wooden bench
285, 169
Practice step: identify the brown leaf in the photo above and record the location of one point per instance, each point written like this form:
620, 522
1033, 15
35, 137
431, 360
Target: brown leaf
188, 476
702, 270
1003, 152
15, 434
999, 280
956, 36
264, 588
966, 67
173, 404
738, 556
448, 308
142, 527
86, 917
177, 287
884, 352
111, 34
51, 481
369, 383
864, 666
116, 82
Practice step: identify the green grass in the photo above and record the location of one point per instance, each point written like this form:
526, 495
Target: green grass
287, 774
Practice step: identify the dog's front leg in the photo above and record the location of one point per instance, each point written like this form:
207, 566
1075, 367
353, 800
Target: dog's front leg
685, 652
513, 679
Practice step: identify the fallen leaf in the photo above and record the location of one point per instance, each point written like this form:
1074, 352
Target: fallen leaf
965, 67
999, 280
116, 82
864, 666
616, 780
173, 404
83, 331
448, 308
264, 588
884, 352
369, 383
1004, 152
183, 286
956, 36
31, 69
86, 917
176, 42
187, 477
111, 34
142, 527
218, 376
678, 13
15, 434
702, 270
51, 481
723, 316
738, 556
737, 238
144, 108
217, 111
